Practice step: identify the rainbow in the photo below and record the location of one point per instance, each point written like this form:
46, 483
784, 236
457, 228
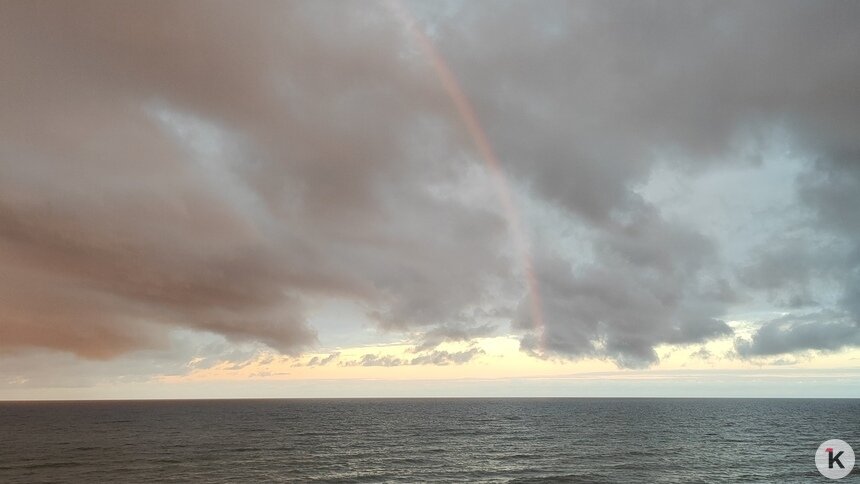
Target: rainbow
467, 114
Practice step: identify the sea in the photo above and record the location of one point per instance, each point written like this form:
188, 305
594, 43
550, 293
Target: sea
595, 440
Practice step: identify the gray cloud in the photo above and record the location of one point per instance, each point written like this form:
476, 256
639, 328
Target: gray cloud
788, 334
833, 192
443, 358
620, 88
447, 334
438, 358
702, 354
816, 275
317, 361
371, 359
648, 284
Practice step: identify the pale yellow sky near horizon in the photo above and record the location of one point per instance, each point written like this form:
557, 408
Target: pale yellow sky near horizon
499, 369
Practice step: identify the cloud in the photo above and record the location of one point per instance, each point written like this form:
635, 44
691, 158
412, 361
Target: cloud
814, 273
445, 358
317, 361
451, 334
170, 166
621, 89
702, 354
648, 284
375, 360
186, 352
438, 358
818, 331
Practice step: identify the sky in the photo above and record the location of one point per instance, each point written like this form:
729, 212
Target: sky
403, 198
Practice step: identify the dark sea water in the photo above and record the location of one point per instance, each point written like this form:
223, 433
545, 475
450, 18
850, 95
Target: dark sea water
454, 440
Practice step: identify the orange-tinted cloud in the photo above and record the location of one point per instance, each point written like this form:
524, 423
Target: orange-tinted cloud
172, 165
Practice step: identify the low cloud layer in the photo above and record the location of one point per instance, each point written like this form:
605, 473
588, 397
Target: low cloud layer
438, 358
171, 166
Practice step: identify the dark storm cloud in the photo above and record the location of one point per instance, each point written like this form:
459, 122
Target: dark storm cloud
169, 165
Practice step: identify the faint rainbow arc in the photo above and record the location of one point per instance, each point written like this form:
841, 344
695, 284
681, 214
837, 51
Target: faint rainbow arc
497, 174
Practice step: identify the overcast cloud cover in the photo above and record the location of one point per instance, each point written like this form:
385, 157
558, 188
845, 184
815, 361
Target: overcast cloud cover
213, 167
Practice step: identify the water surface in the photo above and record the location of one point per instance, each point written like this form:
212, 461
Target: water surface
405, 440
